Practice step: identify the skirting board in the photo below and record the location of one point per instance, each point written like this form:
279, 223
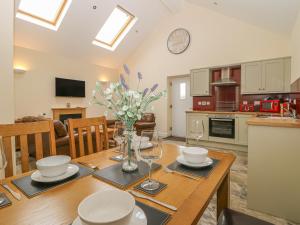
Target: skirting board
218, 145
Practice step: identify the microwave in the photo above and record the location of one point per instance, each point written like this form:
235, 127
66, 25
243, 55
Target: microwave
272, 106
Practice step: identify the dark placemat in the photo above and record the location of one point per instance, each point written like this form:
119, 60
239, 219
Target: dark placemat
6, 202
31, 188
154, 216
197, 172
115, 176
162, 186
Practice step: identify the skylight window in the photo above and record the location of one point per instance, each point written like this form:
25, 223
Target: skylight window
115, 29
46, 13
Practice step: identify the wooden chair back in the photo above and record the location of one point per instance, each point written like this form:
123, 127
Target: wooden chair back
84, 126
22, 130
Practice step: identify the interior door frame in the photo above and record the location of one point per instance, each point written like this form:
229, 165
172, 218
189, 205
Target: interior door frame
169, 99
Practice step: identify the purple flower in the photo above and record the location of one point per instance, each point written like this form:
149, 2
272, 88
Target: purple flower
154, 87
140, 76
145, 92
126, 69
123, 82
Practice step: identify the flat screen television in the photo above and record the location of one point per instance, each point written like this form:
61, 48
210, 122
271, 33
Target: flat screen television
69, 88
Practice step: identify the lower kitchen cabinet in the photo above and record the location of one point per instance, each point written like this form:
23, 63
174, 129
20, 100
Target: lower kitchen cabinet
196, 122
241, 129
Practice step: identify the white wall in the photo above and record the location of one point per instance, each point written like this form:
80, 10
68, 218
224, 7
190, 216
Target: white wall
6, 65
296, 50
35, 90
215, 40
6, 61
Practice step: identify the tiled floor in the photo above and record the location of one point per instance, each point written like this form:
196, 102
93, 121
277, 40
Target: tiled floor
238, 191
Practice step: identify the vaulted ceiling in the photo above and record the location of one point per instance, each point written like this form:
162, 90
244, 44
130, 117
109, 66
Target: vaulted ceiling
82, 22
275, 15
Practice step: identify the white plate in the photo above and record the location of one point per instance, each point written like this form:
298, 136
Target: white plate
138, 218
206, 163
71, 170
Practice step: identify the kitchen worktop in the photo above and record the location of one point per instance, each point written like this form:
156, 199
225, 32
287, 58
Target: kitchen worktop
275, 122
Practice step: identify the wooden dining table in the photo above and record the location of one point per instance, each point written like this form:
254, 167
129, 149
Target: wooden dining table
58, 206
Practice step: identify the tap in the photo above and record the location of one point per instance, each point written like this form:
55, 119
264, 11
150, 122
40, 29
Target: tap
292, 112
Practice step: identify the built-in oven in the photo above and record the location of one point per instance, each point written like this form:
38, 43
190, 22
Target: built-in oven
222, 126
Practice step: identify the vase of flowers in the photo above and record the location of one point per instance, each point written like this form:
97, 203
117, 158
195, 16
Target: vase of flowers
128, 106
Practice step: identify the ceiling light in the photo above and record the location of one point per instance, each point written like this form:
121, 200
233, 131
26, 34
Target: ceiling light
46, 13
115, 29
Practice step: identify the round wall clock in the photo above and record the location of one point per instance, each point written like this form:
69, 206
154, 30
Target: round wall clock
178, 41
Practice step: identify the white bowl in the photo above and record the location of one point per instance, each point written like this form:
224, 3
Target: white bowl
53, 166
194, 155
106, 207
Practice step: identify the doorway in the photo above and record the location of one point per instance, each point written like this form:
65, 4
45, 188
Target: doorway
180, 101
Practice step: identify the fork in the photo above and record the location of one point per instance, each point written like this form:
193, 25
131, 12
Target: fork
166, 169
89, 165
16, 195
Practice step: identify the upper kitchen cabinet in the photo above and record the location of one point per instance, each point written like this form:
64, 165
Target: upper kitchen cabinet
251, 76
200, 82
268, 76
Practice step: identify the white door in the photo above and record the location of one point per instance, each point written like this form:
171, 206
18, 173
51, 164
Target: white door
181, 101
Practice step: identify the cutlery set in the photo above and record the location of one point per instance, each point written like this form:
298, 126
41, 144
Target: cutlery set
16, 195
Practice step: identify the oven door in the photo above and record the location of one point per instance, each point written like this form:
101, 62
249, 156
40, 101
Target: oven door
222, 127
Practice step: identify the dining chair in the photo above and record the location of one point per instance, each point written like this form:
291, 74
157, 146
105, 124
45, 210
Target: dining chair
22, 131
85, 132
232, 217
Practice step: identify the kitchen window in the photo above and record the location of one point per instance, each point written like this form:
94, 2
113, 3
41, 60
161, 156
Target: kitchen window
182, 90
115, 29
46, 13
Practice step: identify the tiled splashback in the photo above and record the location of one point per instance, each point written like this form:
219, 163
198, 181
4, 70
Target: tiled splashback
224, 93
249, 98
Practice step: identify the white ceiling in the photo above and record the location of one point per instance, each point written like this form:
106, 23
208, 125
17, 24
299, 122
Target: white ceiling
275, 15
82, 23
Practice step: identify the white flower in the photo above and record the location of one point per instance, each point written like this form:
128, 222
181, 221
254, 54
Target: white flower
125, 108
107, 91
94, 93
130, 114
121, 113
139, 116
138, 103
108, 97
112, 86
136, 95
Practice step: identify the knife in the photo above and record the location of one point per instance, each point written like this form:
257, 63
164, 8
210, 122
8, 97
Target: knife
139, 195
16, 195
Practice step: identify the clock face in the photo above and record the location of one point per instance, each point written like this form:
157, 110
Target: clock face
178, 41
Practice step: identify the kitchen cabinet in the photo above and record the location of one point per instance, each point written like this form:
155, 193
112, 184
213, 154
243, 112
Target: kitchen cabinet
273, 171
267, 76
251, 75
241, 129
192, 119
200, 82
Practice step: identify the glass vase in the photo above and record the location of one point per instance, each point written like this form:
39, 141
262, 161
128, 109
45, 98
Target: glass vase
129, 159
